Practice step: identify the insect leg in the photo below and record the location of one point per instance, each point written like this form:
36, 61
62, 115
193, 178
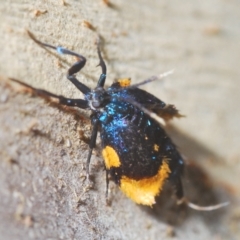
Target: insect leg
102, 64
81, 103
92, 143
177, 183
76, 67
107, 185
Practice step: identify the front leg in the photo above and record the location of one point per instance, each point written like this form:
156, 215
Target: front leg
76, 67
81, 103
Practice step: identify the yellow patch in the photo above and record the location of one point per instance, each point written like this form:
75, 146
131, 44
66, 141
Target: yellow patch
110, 157
156, 147
145, 190
124, 82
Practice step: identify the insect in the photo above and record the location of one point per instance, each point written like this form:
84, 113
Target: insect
138, 154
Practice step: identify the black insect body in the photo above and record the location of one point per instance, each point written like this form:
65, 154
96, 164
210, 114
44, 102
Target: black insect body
136, 150
138, 154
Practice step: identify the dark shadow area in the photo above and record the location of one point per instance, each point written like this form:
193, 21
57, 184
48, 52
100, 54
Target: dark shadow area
199, 189
190, 147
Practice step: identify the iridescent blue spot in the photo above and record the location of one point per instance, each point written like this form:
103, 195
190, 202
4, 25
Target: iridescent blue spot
60, 50
103, 118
